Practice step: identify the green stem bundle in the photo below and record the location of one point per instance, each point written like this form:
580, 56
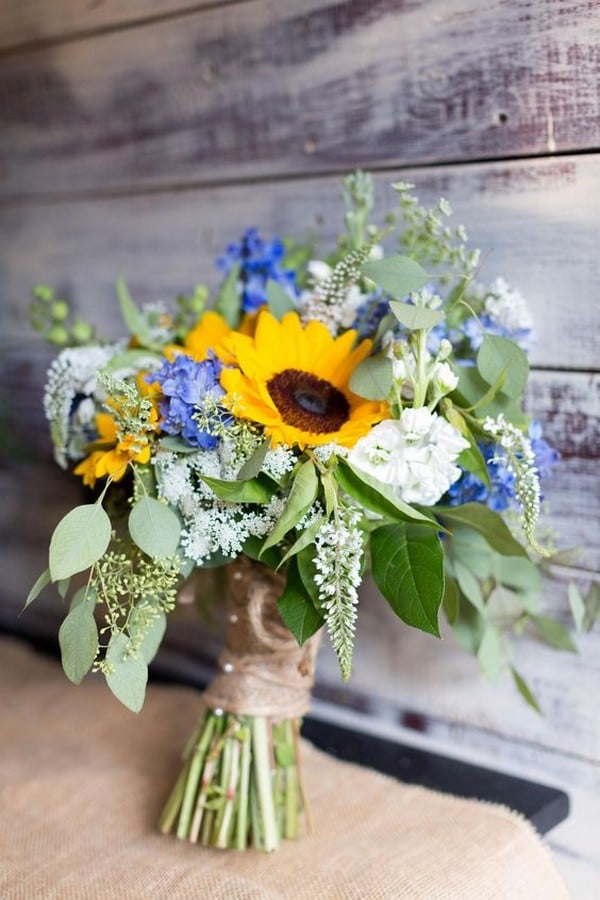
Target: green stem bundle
241, 784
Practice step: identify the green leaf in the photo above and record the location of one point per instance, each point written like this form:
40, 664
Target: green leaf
176, 445
63, 587
518, 572
451, 600
373, 378
473, 391
307, 537
41, 582
398, 275
254, 463
472, 458
253, 491
131, 314
279, 302
577, 605
408, 568
491, 654
416, 317
504, 607
296, 607
129, 674
307, 571
468, 628
78, 637
253, 547
153, 637
525, 691
499, 357
131, 359
469, 585
79, 540
228, 302
302, 496
592, 606
486, 522
554, 633
376, 496
154, 527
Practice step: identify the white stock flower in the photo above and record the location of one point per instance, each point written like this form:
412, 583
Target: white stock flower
415, 455
507, 307
444, 378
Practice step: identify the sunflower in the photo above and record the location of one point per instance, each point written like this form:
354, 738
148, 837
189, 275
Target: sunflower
294, 382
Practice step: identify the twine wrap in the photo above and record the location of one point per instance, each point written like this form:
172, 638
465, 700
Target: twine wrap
263, 670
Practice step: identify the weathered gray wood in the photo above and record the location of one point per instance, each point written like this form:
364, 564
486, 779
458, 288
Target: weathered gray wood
39, 20
536, 222
264, 88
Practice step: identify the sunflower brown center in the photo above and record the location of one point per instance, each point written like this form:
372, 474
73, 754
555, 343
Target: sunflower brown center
308, 402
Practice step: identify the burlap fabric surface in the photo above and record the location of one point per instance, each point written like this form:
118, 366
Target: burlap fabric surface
83, 782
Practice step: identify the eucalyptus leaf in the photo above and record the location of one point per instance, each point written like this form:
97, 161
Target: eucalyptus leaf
499, 357
129, 674
525, 691
486, 522
303, 494
376, 496
41, 582
469, 585
78, 637
491, 654
278, 300
592, 606
504, 607
554, 633
228, 303
132, 359
153, 637
398, 275
408, 569
154, 527
297, 609
373, 378
416, 317
577, 605
79, 540
63, 587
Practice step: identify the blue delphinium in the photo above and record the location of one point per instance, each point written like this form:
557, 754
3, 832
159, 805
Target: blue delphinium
259, 261
186, 386
501, 494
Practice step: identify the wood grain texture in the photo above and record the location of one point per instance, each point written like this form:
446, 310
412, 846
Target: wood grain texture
265, 88
536, 222
39, 21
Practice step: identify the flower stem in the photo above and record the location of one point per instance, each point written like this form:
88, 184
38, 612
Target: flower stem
260, 746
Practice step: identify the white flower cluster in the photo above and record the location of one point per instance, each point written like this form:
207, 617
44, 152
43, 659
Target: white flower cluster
324, 452
338, 560
209, 525
71, 377
519, 457
278, 462
415, 454
507, 306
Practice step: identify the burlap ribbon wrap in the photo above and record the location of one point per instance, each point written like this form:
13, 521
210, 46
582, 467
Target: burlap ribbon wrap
263, 670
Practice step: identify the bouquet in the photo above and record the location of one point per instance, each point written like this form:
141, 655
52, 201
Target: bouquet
321, 419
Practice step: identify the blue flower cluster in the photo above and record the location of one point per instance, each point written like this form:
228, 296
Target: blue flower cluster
475, 331
186, 385
501, 494
259, 261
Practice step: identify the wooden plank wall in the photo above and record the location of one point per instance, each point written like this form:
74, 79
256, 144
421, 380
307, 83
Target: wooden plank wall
139, 137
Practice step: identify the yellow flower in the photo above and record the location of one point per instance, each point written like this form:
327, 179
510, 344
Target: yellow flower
113, 456
294, 381
209, 334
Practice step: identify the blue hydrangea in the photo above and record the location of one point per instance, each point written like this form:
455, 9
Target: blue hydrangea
186, 385
370, 314
501, 494
259, 261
